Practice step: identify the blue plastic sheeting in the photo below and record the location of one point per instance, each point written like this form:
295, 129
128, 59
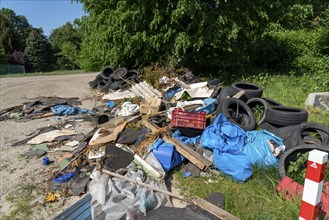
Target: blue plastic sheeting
258, 149
209, 106
184, 139
166, 154
226, 140
110, 104
64, 178
69, 110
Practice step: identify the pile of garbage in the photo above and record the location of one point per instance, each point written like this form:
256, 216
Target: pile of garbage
140, 133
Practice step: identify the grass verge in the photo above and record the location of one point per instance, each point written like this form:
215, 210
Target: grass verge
54, 73
254, 199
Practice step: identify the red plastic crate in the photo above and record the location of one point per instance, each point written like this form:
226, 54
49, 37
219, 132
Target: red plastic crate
182, 119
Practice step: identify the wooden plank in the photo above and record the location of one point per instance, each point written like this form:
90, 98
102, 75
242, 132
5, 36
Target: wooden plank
182, 148
43, 116
215, 210
193, 156
239, 94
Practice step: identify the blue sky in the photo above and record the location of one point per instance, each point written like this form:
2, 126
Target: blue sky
48, 14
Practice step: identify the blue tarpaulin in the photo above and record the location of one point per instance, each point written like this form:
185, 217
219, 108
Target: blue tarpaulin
166, 154
69, 110
226, 140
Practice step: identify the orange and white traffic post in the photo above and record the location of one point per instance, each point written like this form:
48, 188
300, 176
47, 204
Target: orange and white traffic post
316, 167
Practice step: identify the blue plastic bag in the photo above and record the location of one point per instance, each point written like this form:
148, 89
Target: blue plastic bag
166, 154
258, 149
226, 140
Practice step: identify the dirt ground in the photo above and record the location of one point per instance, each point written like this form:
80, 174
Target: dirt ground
22, 180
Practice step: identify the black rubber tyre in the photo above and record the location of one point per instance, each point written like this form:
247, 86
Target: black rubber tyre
291, 155
304, 129
252, 103
93, 84
103, 87
120, 73
116, 85
223, 94
107, 72
285, 115
268, 126
251, 90
238, 112
287, 134
133, 72
272, 102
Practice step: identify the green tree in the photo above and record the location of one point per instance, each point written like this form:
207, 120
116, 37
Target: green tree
20, 28
65, 42
6, 34
38, 51
200, 33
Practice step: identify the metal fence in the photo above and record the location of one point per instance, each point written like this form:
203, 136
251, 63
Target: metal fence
7, 68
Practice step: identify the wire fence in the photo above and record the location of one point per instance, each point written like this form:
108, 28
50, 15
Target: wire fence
7, 68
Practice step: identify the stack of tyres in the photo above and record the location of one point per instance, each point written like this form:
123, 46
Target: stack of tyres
110, 79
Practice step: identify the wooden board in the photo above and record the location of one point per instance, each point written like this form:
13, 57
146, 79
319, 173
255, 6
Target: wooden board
215, 210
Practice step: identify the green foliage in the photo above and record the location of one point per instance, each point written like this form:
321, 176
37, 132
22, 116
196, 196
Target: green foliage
19, 27
199, 34
65, 42
297, 169
38, 51
6, 33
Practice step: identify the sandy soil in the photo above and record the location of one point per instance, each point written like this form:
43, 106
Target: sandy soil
19, 177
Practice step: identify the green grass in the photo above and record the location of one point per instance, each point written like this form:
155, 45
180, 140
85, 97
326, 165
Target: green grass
54, 73
254, 199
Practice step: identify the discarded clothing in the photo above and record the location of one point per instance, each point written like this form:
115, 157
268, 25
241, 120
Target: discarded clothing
69, 110
258, 149
227, 140
166, 154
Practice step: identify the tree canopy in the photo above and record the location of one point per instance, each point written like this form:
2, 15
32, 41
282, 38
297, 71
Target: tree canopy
38, 50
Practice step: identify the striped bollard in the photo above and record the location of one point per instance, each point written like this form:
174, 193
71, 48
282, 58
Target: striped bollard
316, 167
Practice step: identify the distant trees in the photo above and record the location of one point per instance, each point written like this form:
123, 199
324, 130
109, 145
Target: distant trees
22, 44
38, 51
65, 42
